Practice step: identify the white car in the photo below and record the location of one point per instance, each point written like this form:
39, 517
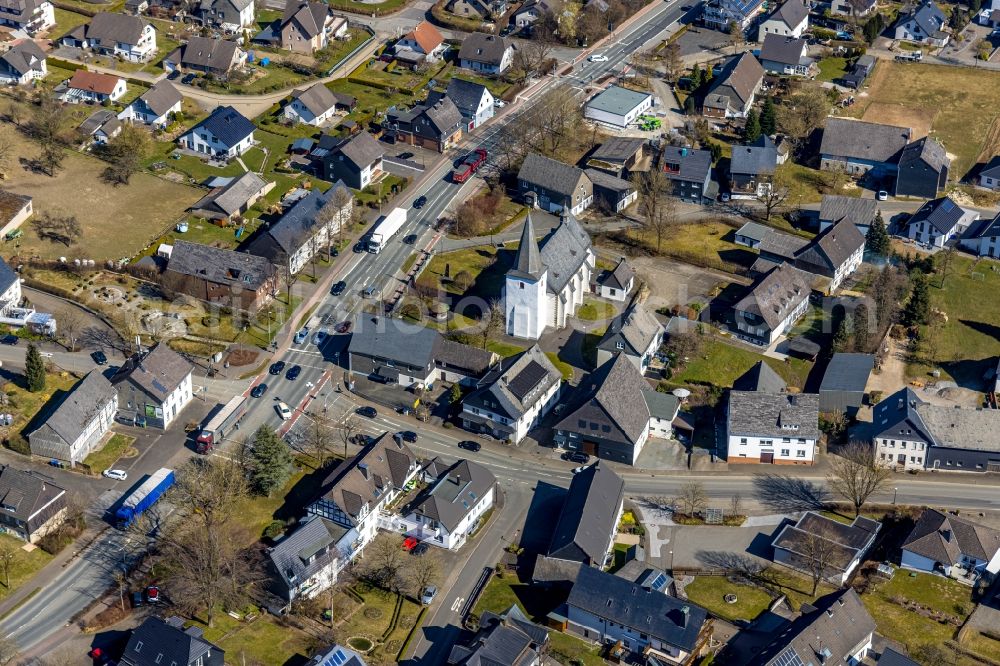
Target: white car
283, 411
116, 474
577, 470
499, 103
597, 57
428, 596
882, 195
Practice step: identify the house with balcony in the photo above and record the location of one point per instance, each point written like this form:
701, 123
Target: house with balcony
722, 14
31, 16
435, 125
307, 561
229, 15
315, 105
926, 24
946, 544
218, 57
117, 35
306, 27
752, 167
225, 134
23, 63
356, 494
938, 221
791, 19
734, 91
93, 88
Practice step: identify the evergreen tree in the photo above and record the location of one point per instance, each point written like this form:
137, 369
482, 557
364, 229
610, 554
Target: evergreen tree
270, 461
842, 338
769, 118
877, 238
716, 151
697, 78
689, 105
861, 328
918, 308
456, 394
34, 370
751, 131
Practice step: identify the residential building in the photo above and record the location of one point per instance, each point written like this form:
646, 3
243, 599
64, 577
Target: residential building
721, 14
153, 386
484, 9
23, 63
891, 657
359, 491
76, 422
982, 238
901, 438
843, 387
32, 505
117, 35
752, 167
531, 11
307, 27
424, 41
989, 177
225, 134
689, 171
858, 211
816, 541
436, 126
100, 127
734, 91
926, 24
620, 156
230, 15
612, 193
473, 100
450, 508
31, 16
834, 253
553, 185
548, 280
752, 235
860, 71
616, 284
923, 169
786, 55
302, 233
772, 305
486, 54
617, 107
159, 642
507, 639
946, 544
636, 333
218, 57
233, 199
306, 562
236, 280
846, 8
337, 655
15, 209
155, 107
605, 608
835, 629
615, 414
93, 88
314, 105
772, 428
357, 161
588, 521
513, 396
938, 221
857, 147
10, 287
790, 19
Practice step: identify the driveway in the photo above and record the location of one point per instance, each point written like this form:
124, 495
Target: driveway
677, 283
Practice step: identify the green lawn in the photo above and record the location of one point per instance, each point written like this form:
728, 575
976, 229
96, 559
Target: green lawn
500, 594
595, 310
565, 368
720, 364
568, 649
26, 405
709, 592
832, 68
332, 55
476, 261
708, 244
66, 21
108, 454
362, 624
262, 641
24, 565
385, 7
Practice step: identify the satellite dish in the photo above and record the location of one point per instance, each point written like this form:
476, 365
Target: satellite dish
681, 393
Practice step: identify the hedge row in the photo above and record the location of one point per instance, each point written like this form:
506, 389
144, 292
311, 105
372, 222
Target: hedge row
448, 20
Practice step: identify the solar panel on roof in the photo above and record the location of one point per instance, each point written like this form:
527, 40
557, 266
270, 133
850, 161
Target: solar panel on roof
527, 380
160, 387
659, 581
947, 205
788, 657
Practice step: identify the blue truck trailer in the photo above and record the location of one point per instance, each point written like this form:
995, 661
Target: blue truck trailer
144, 496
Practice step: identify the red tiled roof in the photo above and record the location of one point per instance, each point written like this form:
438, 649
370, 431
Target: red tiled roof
94, 82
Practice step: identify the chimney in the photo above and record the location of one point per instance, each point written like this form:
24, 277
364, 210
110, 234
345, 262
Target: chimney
685, 613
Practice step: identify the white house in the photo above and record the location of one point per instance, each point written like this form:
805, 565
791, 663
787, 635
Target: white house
357, 161
773, 304
77, 422
314, 105
23, 63
17, 208
94, 87
31, 16
772, 428
225, 134
513, 396
118, 35
834, 629
618, 107
791, 19
449, 509
793, 547
989, 177
926, 25
154, 387
547, 283
473, 100
845, 8
307, 561
424, 40
835, 253
616, 284
10, 289
155, 107
982, 238
486, 54
636, 333
938, 221
945, 544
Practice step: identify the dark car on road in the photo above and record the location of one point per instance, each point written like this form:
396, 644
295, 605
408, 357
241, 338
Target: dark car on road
258, 390
10, 339
577, 457
368, 412
411, 239
99, 358
469, 445
407, 436
293, 372
188, 79
276, 367
338, 288
360, 247
420, 201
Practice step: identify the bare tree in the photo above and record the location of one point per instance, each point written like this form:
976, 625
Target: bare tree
772, 199
71, 325
816, 554
492, 321
7, 150
342, 198
553, 120
289, 278
121, 580
736, 504
803, 112
658, 210
8, 555
126, 153
692, 497
347, 429
64, 229
384, 560
736, 36
672, 62
15, 113
856, 475
421, 572
320, 439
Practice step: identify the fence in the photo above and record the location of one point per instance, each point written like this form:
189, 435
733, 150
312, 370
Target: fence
357, 49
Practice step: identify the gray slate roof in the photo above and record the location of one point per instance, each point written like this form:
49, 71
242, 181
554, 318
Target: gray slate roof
586, 522
317, 98
848, 372
862, 140
466, 95
484, 48
295, 227
228, 125
855, 210
930, 19
928, 151
944, 538
394, 340
661, 405
381, 466
78, 407
943, 214
108, 29
507, 639
608, 398
620, 277
551, 174
25, 492
762, 378
896, 417
362, 150
758, 159
834, 246
655, 614
234, 195
221, 266
740, 78
962, 428
778, 415
528, 262
606, 181
516, 383
158, 372
310, 16
563, 252
161, 97
24, 57
694, 165
755, 231
792, 13
315, 537
217, 54
774, 295
889, 656
451, 497
635, 326
158, 642
782, 49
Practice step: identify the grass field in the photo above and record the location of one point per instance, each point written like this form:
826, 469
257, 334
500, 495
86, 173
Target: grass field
104, 458
117, 221
262, 641
26, 405
480, 262
710, 243
595, 310
832, 68
959, 119
720, 364
372, 628
24, 566
709, 592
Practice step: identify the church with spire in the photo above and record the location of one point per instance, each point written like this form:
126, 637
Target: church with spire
549, 279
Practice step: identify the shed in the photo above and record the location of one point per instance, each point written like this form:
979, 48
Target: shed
843, 386
802, 347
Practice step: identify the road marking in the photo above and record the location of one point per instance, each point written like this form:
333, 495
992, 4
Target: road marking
458, 604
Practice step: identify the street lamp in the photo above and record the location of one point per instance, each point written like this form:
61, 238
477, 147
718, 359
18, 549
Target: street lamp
894, 491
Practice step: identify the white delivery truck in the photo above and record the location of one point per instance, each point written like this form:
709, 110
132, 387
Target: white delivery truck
385, 229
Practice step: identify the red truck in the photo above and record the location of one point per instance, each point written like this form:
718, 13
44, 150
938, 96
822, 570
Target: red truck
469, 165
225, 418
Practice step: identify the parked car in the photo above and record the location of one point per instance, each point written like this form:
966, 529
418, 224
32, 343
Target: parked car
319, 338
370, 292
153, 594
99, 358
428, 596
407, 436
344, 327
301, 336
404, 411
137, 599
10, 339
276, 367
366, 411
882, 195
469, 445
283, 411
258, 390
293, 372
188, 79
338, 288
578, 457
420, 201
116, 474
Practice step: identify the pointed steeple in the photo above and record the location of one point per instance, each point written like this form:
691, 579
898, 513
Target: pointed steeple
528, 262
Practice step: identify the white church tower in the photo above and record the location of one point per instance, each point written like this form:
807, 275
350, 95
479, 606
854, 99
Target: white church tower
525, 297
